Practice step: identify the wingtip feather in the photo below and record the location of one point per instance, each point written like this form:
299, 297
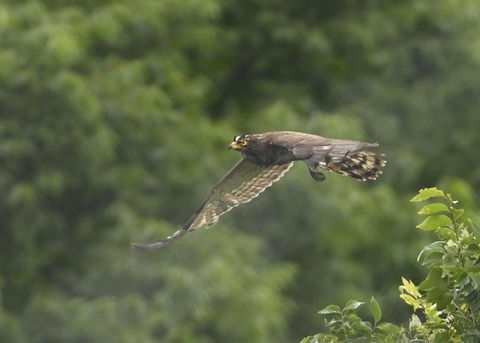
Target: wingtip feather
159, 244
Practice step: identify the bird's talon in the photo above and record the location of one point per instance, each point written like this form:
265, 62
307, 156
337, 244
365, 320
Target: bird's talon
317, 175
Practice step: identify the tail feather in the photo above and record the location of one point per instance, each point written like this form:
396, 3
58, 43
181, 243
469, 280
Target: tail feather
362, 166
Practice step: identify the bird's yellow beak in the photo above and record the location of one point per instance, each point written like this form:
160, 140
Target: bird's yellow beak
235, 146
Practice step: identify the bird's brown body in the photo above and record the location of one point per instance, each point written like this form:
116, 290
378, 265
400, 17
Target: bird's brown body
280, 147
266, 158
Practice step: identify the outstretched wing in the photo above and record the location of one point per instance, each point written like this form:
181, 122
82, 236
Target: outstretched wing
241, 184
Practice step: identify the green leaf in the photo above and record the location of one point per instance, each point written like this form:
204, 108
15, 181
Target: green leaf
335, 320
435, 246
457, 213
475, 276
442, 297
428, 193
462, 279
409, 287
434, 222
330, 309
353, 304
446, 233
375, 310
309, 339
441, 336
389, 328
434, 208
432, 257
434, 249
471, 242
359, 326
429, 283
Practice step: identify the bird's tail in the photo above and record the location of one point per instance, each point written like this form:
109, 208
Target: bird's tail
363, 165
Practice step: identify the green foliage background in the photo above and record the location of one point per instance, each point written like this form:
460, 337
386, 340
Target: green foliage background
114, 122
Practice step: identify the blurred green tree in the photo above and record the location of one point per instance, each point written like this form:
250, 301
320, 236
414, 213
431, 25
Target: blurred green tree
98, 133
114, 122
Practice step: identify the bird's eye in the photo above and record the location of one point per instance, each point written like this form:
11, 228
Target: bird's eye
238, 139
244, 142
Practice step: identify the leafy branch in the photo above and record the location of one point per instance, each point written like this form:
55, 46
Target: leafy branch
446, 304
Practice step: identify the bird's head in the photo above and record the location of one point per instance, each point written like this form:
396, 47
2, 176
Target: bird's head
239, 143
255, 149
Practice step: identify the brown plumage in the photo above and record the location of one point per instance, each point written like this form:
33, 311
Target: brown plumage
266, 157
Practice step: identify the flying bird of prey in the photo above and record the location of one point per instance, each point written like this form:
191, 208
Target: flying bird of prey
266, 158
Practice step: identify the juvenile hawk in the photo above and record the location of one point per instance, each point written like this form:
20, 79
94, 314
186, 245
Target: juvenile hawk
266, 157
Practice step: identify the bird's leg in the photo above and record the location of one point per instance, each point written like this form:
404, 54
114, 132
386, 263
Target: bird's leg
315, 173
